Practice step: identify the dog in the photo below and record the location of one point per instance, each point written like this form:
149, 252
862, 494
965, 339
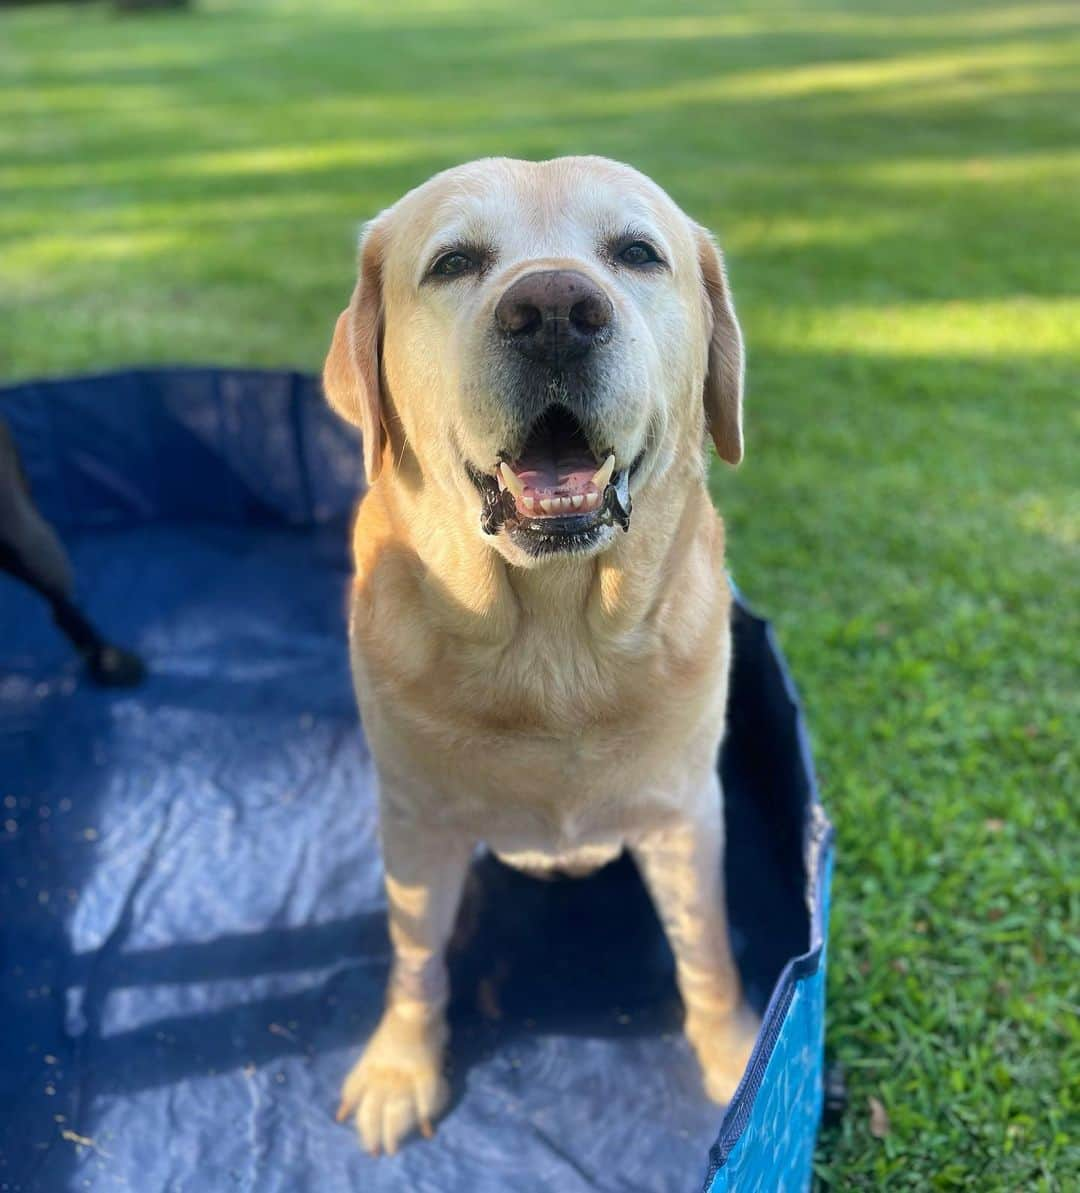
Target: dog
536, 354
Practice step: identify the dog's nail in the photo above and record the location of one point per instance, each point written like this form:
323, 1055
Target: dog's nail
342, 1112
426, 1129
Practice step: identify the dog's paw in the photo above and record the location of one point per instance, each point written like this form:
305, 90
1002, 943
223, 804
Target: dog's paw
723, 1044
397, 1086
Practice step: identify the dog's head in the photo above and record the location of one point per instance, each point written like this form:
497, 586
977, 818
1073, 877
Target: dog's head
540, 341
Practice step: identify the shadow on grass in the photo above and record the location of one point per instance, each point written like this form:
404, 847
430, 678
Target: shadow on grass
397, 99
187, 166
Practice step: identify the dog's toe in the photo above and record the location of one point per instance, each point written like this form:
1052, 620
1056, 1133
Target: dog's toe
397, 1087
393, 1104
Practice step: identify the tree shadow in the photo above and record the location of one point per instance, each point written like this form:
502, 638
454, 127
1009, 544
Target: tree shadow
744, 126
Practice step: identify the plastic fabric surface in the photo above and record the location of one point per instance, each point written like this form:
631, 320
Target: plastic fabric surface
193, 940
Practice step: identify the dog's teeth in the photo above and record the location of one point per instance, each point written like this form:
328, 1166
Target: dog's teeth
603, 473
591, 500
547, 504
510, 480
529, 504
576, 500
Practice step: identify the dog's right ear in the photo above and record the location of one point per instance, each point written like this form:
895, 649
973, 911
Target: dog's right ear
352, 376
724, 376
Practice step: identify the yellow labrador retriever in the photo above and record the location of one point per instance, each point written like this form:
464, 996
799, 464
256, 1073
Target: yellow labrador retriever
540, 615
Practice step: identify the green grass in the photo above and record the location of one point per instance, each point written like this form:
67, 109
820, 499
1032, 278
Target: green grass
897, 186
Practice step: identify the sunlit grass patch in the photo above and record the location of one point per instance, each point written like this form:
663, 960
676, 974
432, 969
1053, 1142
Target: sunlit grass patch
1013, 169
1010, 328
1058, 520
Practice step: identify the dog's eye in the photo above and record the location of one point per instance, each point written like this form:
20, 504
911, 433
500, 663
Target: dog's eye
452, 265
639, 252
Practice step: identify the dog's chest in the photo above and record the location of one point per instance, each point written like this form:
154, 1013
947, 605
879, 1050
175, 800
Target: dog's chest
549, 741
551, 681
550, 731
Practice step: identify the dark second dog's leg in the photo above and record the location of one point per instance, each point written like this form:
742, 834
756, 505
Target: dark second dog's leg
107, 665
31, 552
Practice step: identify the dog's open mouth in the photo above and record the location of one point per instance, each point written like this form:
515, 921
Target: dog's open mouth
559, 492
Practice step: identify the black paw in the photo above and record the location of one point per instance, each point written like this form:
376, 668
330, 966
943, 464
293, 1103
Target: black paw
114, 667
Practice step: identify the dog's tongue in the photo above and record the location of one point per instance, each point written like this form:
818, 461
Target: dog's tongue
553, 468
556, 473
557, 482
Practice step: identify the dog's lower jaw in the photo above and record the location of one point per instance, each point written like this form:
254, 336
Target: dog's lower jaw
500, 511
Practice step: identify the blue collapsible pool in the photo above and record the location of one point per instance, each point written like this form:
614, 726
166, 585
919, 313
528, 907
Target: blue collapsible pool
194, 946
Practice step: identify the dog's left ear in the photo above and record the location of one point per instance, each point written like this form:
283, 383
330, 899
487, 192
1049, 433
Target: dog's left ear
723, 396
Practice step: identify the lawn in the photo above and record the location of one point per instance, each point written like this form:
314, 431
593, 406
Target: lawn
897, 188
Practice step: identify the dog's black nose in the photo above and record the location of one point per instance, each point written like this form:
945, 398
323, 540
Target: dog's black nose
554, 316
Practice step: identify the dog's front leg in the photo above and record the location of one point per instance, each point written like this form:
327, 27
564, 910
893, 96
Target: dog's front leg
398, 1084
683, 869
